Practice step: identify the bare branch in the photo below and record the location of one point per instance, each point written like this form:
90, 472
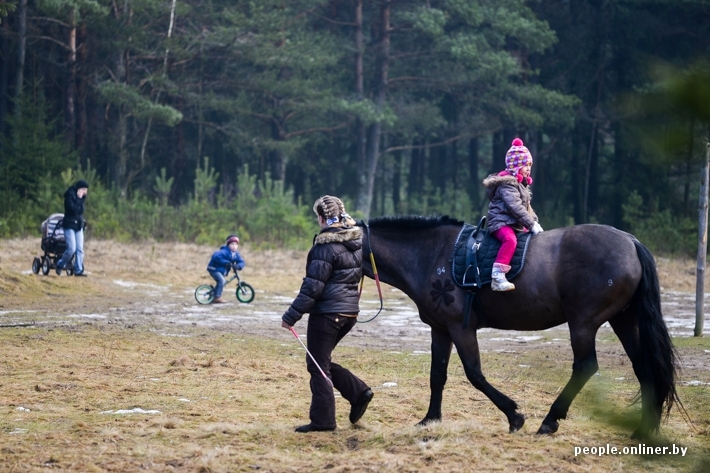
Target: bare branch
315, 130
430, 145
52, 40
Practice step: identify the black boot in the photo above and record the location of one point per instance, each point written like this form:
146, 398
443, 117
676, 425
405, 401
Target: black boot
313, 428
360, 406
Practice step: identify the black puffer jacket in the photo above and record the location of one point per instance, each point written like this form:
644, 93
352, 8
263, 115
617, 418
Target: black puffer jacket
333, 271
73, 209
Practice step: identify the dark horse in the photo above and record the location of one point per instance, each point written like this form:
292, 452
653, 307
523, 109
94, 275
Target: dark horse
584, 275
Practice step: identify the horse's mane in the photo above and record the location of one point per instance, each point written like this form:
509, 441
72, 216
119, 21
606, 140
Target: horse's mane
410, 222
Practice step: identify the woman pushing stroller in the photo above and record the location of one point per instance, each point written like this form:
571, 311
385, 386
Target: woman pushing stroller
73, 224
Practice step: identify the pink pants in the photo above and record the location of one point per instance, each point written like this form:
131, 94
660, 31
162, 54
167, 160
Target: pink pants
508, 241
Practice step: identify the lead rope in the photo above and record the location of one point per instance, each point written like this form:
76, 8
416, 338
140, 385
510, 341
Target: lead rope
377, 278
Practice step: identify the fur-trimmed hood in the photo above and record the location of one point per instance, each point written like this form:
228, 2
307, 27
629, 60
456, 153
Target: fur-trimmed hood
338, 235
495, 180
510, 203
333, 271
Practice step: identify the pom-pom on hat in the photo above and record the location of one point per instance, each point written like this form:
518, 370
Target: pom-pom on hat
516, 157
232, 238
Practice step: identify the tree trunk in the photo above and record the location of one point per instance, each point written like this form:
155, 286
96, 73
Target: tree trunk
21, 51
415, 182
70, 112
397, 181
82, 131
474, 183
360, 129
120, 64
165, 73
4, 75
702, 247
277, 156
375, 130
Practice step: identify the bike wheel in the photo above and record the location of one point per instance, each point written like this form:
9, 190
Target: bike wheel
245, 293
36, 265
45, 265
204, 294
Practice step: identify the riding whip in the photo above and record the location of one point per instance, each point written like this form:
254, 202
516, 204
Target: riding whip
309, 354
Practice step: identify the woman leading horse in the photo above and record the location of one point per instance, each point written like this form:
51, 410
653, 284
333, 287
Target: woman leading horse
584, 275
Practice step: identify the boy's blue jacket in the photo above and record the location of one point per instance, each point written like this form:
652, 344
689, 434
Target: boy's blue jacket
222, 261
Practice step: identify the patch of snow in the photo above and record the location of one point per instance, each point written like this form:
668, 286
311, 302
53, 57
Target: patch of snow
695, 382
135, 410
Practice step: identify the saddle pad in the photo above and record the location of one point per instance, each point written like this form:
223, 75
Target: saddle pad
464, 273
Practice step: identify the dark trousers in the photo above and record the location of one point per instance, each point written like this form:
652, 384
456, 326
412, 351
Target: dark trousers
324, 333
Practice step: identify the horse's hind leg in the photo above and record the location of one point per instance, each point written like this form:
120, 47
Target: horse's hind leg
626, 329
467, 348
584, 366
440, 354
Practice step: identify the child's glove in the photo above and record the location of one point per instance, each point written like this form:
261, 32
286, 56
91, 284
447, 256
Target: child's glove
536, 228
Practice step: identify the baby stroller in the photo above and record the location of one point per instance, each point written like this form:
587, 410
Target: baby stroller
53, 245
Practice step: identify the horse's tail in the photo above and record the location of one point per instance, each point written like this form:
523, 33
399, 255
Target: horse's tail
658, 359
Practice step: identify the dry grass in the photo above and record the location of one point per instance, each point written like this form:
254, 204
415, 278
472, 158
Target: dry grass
229, 402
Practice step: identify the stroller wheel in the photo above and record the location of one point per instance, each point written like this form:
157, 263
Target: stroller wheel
45, 265
36, 264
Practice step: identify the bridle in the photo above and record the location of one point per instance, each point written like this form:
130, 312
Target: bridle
377, 277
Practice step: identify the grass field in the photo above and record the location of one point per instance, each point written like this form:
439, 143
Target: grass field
110, 376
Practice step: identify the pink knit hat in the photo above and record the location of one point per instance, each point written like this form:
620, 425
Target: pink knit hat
517, 157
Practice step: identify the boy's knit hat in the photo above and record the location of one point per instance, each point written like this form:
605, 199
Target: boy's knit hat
232, 238
517, 157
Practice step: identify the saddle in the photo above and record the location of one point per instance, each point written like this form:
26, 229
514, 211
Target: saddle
475, 252
472, 260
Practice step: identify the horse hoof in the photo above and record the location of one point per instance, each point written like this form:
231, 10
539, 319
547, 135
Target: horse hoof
516, 422
426, 421
546, 429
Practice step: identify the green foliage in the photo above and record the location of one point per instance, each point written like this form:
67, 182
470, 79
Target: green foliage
6, 9
205, 182
139, 105
33, 158
663, 232
163, 187
76, 6
263, 213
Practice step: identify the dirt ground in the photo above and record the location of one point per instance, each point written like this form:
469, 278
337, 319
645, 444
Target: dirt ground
150, 286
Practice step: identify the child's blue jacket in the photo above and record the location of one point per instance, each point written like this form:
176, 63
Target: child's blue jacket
222, 261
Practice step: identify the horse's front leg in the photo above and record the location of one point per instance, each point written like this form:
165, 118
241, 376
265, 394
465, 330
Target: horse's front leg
584, 366
440, 354
467, 348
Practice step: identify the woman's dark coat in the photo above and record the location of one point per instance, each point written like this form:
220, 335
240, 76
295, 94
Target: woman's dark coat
73, 209
333, 271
